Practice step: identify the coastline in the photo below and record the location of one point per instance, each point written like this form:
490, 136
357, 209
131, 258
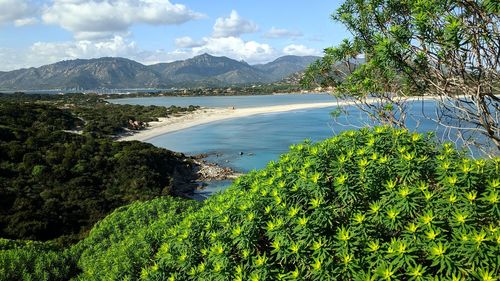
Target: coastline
209, 115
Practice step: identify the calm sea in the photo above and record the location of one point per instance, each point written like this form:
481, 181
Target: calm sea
251, 142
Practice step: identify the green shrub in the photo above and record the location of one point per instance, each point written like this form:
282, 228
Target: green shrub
28, 260
377, 204
365, 205
57, 184
119, 246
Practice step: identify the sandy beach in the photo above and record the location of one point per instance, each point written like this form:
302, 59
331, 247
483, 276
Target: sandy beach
208, 115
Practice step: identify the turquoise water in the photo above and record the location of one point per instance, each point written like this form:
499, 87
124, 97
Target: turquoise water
261, 138
249, 143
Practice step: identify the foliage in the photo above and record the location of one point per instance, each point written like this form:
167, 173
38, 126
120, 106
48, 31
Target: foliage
97, 116
28, 115
125, 241
365, 205
55, 184
100, 117
121, 243
111, 119
449, 49
28, 260
382, 203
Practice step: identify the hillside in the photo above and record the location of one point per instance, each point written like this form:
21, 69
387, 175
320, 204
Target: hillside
210, 70
82, 74
121, 73
56, 185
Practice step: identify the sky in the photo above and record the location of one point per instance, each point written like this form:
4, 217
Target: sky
39, 32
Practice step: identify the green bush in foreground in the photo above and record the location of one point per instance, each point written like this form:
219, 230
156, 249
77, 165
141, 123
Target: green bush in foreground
377, 204
117, 248
123, 243
37, 261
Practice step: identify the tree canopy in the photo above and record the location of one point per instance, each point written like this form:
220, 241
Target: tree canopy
55, 184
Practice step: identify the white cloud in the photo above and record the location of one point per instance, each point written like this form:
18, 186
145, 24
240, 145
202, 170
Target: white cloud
16, 10
161, 56
300, 50
11, 59
25, 21
104, 18
188, 42
234, 26
282, 33
53, 52
42, 53
236, 48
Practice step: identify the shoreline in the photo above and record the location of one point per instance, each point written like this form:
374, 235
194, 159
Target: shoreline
209, 115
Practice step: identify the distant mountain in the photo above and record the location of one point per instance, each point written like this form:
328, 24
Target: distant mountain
210, 70
116, 73
86, 74
285, 66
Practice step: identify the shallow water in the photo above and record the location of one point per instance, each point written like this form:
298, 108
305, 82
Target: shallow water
249, 143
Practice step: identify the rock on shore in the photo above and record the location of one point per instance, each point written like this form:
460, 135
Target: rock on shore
209, 171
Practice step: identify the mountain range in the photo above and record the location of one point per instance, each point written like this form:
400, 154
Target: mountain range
122, 73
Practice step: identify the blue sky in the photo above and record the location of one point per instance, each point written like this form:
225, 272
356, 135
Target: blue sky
38, 32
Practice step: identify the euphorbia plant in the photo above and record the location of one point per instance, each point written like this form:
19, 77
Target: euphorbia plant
370, 204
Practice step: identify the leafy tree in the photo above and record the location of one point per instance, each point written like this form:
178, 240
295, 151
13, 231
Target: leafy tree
117, 248
445, 48
94, 114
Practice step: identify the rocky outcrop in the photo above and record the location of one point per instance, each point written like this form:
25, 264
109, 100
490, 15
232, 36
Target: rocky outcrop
207, 171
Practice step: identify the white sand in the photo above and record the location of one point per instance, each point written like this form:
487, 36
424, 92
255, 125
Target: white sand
208, 115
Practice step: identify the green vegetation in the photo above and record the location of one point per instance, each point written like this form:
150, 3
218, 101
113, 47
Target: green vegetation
378, 204
448, 49
125, 239
34, 261
111, 119
101, 117
128, 238
290, 85
55, 184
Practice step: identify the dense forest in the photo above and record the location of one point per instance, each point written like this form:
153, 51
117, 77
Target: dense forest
56, 184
